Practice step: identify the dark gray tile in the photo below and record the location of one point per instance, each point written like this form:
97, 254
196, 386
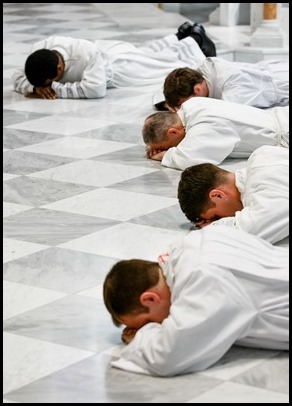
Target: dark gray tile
13, 138
170, 218
37, 192
51, 227
134, 156
156, 183
23, 163
14, 117
272, 374
116, 132
59, 269
76, 321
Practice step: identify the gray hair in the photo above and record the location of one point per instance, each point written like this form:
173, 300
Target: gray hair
156, 126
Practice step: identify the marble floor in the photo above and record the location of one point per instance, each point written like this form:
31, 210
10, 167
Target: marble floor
79, 194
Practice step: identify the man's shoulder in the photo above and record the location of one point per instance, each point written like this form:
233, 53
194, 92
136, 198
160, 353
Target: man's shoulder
194, 103
269, 151
54, 40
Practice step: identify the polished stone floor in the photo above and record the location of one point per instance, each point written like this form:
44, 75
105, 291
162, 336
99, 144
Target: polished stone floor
79, 194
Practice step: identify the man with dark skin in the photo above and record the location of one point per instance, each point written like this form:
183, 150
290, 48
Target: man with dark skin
71, 68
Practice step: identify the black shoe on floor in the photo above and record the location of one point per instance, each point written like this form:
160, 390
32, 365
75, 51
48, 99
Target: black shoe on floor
205, 43
160, 106
184, 30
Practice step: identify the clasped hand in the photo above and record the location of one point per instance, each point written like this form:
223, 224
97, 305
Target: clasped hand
128, 334
43, 92
156, 154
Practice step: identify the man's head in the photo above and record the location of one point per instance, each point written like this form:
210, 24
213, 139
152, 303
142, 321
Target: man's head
163, 130
44, 66
207, 193
135, 293
181, 84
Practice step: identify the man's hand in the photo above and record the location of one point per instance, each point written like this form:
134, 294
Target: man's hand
156, 154
128, 334
45, 92
33, 95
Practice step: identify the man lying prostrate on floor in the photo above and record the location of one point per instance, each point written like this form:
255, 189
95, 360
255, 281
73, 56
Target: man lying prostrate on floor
216, 287
263, 84
254, 199
210, 130
70, 68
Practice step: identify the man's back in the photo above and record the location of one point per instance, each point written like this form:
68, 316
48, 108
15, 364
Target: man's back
264, 190
217, 129
254, 84
226, 285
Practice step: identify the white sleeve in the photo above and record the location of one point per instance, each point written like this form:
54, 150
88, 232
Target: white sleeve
92, 84
270, 222
197, 333
210, 142
266, 198
20, 83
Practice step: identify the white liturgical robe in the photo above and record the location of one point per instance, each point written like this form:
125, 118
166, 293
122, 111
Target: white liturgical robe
263, 84
217, 129
227, 287
92, 67
264, 190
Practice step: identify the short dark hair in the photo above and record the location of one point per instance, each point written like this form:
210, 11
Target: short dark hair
40, 66
180, 84
194, 186
125, 283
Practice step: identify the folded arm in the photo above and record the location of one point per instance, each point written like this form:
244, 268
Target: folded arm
195, 335
266, 196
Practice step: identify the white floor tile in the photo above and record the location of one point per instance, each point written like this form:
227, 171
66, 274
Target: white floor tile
92, 173
12, 208
20, 298
92, 204
126, 241
76, 147
13, 249
57, 125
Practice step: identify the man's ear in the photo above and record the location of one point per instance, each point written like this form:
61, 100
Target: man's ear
217, 194
172, 131
147, 298
198, 90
